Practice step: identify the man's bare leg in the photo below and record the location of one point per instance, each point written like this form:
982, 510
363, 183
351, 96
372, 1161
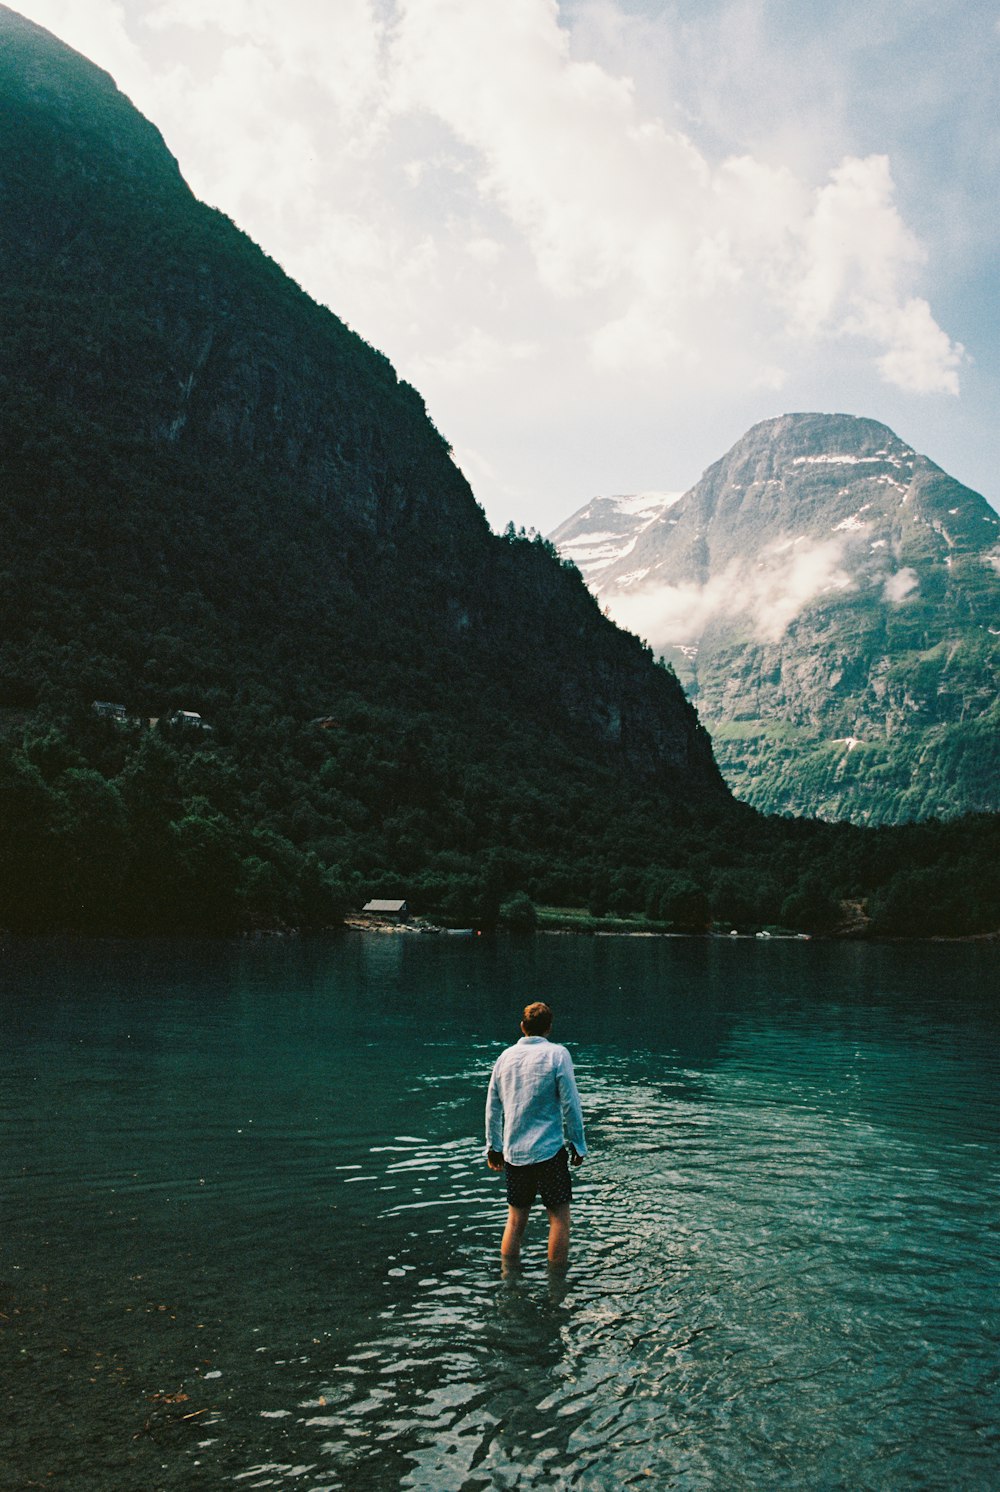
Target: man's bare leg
517, 1221
559, 1234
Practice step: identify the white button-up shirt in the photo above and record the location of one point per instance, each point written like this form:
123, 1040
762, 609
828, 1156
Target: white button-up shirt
532, 1104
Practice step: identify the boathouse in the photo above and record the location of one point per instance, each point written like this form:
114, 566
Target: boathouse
386, 911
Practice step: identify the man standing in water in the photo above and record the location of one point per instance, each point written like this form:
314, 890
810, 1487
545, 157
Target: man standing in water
532, 1119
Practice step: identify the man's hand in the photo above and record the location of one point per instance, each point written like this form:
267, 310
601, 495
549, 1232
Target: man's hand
574, 1158
494, 1159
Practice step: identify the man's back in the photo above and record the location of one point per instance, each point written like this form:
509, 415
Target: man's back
532, 1104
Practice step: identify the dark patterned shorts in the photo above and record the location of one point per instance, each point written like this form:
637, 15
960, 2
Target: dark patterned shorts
547, 1178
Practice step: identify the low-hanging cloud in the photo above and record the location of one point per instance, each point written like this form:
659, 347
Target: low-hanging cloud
900, 585
767, 593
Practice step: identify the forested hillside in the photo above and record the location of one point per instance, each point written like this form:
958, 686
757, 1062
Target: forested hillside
219, 500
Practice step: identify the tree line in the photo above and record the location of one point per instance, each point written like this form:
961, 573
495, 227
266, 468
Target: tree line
279, 822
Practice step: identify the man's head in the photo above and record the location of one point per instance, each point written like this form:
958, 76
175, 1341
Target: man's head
537, 1019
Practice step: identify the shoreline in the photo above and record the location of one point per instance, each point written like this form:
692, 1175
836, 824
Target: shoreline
422, 928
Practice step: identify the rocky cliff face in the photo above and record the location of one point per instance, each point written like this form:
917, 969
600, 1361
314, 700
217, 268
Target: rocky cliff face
207, 474
831, 599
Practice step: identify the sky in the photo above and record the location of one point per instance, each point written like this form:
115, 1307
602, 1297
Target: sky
605, 237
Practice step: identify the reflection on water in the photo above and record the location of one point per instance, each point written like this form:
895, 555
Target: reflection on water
249, 1240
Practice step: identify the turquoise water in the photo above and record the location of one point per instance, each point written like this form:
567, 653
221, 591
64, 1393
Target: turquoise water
248, 1240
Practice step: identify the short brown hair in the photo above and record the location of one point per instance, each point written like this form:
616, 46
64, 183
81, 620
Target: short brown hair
537, 1019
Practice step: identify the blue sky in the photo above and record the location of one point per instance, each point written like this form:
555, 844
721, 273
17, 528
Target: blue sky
604, 237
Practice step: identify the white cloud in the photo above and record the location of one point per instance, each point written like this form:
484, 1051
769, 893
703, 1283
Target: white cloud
342, 58
900, 585
769, 593
921, 357
477, 355
768, 376
643, 339
561, 147
629, 215
484, 250
858, 255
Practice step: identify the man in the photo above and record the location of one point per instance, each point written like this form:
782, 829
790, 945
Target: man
532, 1116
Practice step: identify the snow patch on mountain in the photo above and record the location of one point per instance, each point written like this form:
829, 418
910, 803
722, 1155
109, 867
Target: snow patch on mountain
607, 529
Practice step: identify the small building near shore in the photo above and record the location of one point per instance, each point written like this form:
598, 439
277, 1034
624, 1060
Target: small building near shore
109, 710
386, 911
189, 719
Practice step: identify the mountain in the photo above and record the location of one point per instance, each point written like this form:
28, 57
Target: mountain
193, 443
261, 658
831, 600
218, 499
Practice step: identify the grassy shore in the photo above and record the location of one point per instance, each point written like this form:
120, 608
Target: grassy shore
579, 920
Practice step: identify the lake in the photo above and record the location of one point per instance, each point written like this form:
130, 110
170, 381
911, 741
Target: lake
249, 1240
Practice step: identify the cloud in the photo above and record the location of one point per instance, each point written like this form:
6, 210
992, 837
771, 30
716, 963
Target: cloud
294, 122
855, 245
921, 358
900, 585
628, 232
768, 593
477, 355
561, 148
620, 209
342, 59
858, 254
